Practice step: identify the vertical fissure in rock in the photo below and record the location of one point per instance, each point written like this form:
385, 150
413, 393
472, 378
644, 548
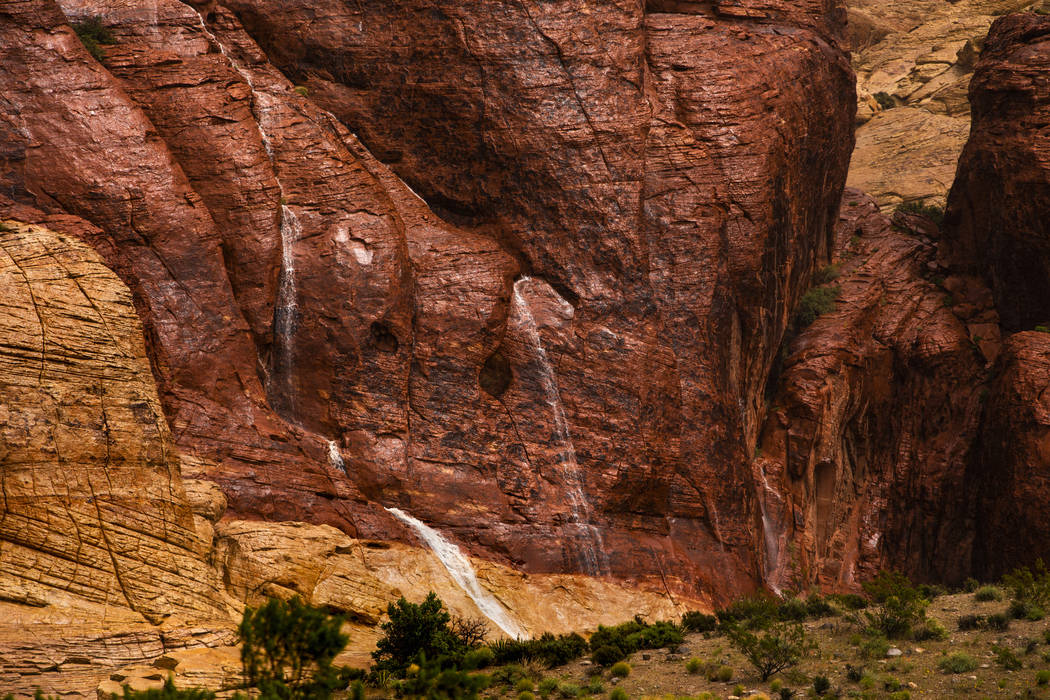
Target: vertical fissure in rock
462, 572
592, 546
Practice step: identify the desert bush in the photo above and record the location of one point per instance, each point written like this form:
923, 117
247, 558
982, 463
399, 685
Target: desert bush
612, 644
621, 669
987, 593
470, 630
815, 303
821, 684
818, 606
548, 648
524, 684
287, 648
900, 605
482, 657
1042, 677
94, 35
849, 601
168, 692
970, 622
595, 686
720, 673
1006, 658
618, 694
415, 631
999, 622
874, 647
608, 655
694, 665
774, 647
929, 629
434, 682
569, 690
854, 673
929, 211
971, 584
957, 663
694, 621
547, 686
885, 100
1031, 586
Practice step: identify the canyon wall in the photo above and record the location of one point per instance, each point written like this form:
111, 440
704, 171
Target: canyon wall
556, 356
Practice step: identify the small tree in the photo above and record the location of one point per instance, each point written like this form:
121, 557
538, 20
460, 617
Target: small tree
1028, 586
901, 604
288, 648
775, 647
414, 631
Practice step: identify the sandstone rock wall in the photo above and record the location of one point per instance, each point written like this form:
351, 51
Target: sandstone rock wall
558, 357
99, 558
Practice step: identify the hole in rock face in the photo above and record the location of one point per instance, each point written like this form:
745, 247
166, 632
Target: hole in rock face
495, 375
210, 19
383, 338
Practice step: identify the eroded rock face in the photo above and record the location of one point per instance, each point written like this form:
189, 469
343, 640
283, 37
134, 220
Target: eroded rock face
918, 57
559, 360
98, 552
867, 448
998, 226
998, 205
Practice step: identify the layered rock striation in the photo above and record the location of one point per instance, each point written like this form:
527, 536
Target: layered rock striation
556, 356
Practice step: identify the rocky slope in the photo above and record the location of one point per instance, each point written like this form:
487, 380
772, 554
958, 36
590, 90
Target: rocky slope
558, 361
918, 58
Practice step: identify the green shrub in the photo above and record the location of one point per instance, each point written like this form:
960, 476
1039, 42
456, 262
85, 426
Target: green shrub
94, 35
526, 695
999, 622
971, 584
1043, 677
1046, 636
594, 686
433, 682
900, 695
854, 673
850, 601
482, 657
792, 609
168, 692
970, 622
929, 211
550, 649
754, 612
891, 684
957, 663
721, 674
786, 694
694, 621
988, 593
818, 606
569, 690
618, 694
900, 604
775, 647
1031, 586
929, 629
357, 691
1006, 658
885, 100
414, 632
694, 665
523, 684
874, 647
821, 684
547, 686
621, 669
608, 655
287, 648
612, 644
815, 303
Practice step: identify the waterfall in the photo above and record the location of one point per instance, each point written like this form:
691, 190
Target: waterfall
461, 571
772, 543
593, 550
335, 457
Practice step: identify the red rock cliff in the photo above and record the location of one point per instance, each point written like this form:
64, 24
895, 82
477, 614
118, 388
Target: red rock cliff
558, 354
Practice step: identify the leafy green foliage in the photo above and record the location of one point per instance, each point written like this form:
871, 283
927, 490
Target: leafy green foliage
1005, 657
999, 622
957, 663
987, 593
94, 35
821, 685
168, 692
1030, 586
550, 649
900, 605
621, 669
433, 681
288, 647
612, 644
815, 303
694, 621
929, 211
774, 647
415, 631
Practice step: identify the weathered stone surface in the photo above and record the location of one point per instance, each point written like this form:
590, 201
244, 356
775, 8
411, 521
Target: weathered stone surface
866, 450
920, 55
95, 524
998, 207
1013, 468
557, 361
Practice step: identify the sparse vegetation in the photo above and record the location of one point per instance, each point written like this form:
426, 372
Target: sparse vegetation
814, 304
929, 211
776, 645
988, 593
957, 663
885, 100
94, 35
900, 605
287, 648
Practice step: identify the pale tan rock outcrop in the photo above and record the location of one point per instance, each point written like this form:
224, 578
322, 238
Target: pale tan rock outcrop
919, 55
98, 553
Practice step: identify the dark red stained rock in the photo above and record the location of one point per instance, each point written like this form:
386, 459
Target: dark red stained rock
868, 445
1014, 459
559, 357
997, 209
